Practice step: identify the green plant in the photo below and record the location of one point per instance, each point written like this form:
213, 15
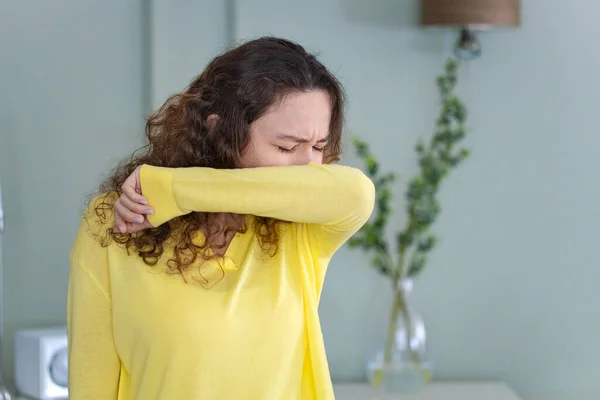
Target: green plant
436, 159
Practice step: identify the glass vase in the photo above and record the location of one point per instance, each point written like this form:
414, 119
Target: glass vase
401, 366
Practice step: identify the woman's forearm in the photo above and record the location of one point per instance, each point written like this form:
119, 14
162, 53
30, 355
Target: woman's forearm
314, 193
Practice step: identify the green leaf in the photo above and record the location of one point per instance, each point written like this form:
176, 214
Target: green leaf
371, 238
362, 149
426, 244
460, 111
425, 211
379, 261
451, 65
459, 134
419, 147
416, 188
443, 135
434, 169
372, 166
382, 246
386, 179
385, 194
405, 239
417, 263
355, 241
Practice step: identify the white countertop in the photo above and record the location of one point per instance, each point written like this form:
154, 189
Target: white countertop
433, 391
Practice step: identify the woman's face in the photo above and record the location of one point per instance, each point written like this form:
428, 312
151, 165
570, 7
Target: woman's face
293, 132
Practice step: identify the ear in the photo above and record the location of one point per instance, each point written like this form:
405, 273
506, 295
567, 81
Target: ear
212, 120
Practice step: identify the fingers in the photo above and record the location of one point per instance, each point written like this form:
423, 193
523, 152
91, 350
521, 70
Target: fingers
140, 227
126, 214
128, 227
131, 207
130, 190
124, 218
135, 207
120, 224
135, 227
128, 221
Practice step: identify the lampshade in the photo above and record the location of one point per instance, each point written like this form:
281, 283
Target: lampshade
470, 12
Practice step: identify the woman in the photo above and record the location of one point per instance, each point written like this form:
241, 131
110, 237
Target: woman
196, 274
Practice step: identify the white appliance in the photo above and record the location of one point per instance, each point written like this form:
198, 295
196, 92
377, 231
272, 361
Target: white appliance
4, 392
41, 363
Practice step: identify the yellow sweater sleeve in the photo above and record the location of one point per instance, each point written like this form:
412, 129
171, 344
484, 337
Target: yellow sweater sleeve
94, 366
334, 200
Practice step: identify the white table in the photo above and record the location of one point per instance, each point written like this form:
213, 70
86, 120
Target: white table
433, 391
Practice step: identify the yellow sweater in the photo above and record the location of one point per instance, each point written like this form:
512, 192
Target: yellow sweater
136, 332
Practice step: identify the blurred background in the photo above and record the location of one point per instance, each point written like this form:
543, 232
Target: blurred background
508, 294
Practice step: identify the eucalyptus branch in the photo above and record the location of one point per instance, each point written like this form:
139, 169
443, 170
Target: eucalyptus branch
435, 159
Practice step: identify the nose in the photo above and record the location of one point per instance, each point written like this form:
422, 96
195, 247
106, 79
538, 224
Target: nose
307, 156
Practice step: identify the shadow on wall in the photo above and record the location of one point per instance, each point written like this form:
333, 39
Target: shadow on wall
394, 14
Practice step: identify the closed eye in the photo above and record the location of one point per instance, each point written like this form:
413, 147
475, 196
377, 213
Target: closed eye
286, 150
293, 149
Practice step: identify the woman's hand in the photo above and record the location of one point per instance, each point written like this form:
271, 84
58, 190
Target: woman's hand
131, 208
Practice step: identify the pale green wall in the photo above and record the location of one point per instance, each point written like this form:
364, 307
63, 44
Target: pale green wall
497, 295
70, 104
186, 34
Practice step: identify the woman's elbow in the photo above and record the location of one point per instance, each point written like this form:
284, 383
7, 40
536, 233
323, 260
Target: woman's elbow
363, 195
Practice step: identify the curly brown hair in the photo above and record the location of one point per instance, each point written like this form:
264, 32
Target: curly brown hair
239, 86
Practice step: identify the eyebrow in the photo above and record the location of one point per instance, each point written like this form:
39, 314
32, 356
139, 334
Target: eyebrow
299, 139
